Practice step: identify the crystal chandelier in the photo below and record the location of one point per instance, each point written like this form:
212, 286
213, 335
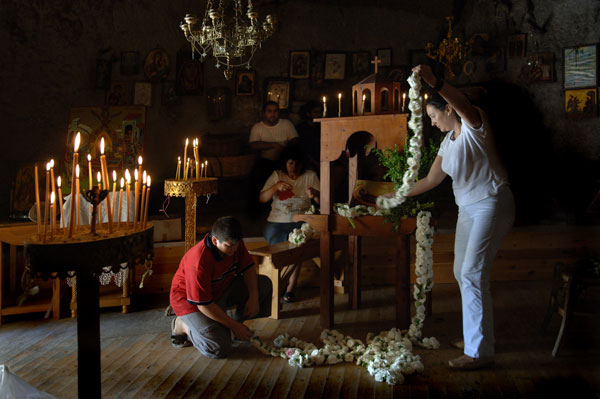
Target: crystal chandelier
232, 40
449, 49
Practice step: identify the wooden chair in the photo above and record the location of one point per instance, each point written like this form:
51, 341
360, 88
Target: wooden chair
566, 297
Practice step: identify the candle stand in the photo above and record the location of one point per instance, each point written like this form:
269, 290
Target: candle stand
87, 255
190, 190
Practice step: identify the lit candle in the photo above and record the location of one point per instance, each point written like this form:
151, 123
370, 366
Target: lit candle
77, 195
147, 201
75, 162
425, 97
187, 167
90, 184
324, 106
52, 215
114, 198
206, 168
100, 218
128, 178
362, 105
46, 201
120, 203
403, 102
198, 171
138, 184
106, 184
196, 159
187, 141
178, 168
142, 202
37, 203
202, 170
60, 203
136, 198
339, 105
52, 177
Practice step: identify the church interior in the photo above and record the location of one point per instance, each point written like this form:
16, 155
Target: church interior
145, 86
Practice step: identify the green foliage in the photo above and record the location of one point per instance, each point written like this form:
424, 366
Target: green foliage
395, 160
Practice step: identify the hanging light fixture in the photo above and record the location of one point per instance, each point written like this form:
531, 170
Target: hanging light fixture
449, 50
231, 39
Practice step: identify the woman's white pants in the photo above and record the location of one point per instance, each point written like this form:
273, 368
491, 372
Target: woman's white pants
480, 229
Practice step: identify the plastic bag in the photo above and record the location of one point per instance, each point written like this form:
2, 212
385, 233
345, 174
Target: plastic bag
14, 387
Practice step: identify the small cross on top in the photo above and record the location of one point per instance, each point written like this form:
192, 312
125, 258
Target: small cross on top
376, 61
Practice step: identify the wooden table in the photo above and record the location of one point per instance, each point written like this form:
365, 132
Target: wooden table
87, 258
332, 225
12, 237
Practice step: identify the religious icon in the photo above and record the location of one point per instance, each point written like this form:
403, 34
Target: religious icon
541, 67
219, 103
119, 94
156, 66
335, 65
279, 90
580, 66
581, 103
244, 82
143, 93
385, 55
130, 63
190, 75
516, 45
360, 63
299, 64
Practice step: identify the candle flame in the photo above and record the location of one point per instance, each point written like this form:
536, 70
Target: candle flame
89, 157
114, 176
339, 95
52, 163
403, 95
58, 181
148, 181
99, 177
77, 142
187, 141
122, 183
179, 159
77, 171
140, 160
127, 175
102, 146
135, 173
425, 97
48, 167
364, 97
52, 198
144, 176
324, 99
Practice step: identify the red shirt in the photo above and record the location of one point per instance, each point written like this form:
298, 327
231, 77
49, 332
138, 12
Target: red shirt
204, 274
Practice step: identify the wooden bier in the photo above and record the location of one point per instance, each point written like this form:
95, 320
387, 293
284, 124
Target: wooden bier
387, 130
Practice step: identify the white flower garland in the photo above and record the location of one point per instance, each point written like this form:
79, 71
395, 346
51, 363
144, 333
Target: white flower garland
303, 234
416, 125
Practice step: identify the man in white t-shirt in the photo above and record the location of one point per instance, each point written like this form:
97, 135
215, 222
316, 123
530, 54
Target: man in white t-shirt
269, 137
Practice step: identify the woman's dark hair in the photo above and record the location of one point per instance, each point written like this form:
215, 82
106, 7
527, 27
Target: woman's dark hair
436, 101
227, 228
294, 153
308, 107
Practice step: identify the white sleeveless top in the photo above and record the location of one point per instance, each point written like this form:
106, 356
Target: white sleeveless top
473, 163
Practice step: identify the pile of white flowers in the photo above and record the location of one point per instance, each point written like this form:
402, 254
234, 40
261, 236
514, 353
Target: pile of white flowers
387, 356
303, 234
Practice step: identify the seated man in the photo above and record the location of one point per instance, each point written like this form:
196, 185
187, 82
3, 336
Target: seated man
216, 274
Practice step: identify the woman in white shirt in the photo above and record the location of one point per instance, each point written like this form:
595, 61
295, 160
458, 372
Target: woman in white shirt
485, 204
291, 189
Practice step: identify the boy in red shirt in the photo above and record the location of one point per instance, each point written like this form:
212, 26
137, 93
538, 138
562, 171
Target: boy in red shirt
216, 274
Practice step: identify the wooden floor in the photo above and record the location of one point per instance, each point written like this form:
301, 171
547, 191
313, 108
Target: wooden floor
139, 362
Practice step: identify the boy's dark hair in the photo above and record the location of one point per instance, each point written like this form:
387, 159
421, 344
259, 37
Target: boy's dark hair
227, 228
308, 107
270, 102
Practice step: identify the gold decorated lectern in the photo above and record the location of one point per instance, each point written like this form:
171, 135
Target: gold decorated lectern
190, 190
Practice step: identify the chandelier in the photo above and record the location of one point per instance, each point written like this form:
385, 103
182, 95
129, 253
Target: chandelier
231, 39
449, 49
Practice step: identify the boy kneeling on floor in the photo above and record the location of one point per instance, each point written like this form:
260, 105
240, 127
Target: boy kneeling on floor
217, 274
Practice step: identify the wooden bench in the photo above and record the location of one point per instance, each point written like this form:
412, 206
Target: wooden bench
276, 261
